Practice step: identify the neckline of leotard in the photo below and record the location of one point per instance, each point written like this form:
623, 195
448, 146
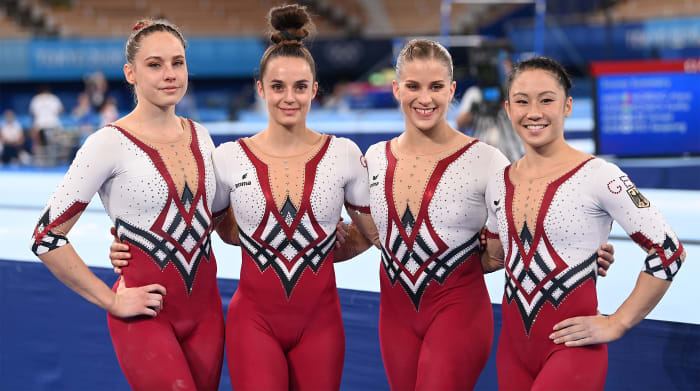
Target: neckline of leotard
433, 180
160, 166
394, 148
312, 150
148, 141
549, 193
552, 175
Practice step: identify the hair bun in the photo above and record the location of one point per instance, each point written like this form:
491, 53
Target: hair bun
289, 23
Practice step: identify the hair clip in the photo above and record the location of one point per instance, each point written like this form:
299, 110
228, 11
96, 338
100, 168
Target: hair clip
139, 26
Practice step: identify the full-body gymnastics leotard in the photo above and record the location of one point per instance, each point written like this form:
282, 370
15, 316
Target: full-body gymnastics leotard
284, 328
551, 272
158, 196
435, 322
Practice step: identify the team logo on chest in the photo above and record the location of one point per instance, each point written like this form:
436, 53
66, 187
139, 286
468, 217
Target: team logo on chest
288, 240
413, 253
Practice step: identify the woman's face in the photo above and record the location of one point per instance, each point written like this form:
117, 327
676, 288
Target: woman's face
159, 70
424, 91
288, 87
537, 106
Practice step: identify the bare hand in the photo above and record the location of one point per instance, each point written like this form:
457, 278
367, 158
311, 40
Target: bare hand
144, 300
118, 253
490, 264
587, 330
605, 258
341, 233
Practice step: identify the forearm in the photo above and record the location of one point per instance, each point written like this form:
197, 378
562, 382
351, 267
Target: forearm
646, 294
67, 266
492, 258
489, 263
355, 244
365, 225
227, 228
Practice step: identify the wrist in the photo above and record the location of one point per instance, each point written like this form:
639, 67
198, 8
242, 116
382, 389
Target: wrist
110, 302
621, 321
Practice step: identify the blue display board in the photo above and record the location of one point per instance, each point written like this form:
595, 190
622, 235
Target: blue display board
71, 59
650, 111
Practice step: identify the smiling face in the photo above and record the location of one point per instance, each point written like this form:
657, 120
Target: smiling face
288, 88
537, 106
158, 71
424, 91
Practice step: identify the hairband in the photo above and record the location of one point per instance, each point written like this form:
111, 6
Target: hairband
139, 26
289, 37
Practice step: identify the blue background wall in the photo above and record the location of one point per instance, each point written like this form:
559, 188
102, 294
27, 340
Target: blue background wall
50, 339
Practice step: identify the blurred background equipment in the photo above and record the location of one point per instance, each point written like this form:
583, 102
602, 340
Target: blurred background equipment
635, 65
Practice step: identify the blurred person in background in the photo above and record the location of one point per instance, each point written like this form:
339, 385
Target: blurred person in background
96, 89
84, 117
108, 112
83, 110
338, 99
12, 140
45, 108
481, 111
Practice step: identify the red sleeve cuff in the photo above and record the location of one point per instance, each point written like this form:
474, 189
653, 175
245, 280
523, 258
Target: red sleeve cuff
362, 209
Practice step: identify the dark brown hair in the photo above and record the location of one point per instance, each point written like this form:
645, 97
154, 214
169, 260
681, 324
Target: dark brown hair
545, 64
145, 27
289, 26
423, 49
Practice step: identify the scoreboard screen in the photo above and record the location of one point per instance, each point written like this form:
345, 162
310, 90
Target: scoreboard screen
647, 108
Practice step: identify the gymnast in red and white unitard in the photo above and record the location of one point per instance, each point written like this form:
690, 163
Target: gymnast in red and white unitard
286, 187
155, 176
552, 210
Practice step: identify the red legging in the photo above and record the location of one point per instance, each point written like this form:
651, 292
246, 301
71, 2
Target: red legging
166, 353
446, 344
574, 369
283, 350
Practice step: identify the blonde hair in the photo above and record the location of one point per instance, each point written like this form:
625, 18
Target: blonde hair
423, 49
